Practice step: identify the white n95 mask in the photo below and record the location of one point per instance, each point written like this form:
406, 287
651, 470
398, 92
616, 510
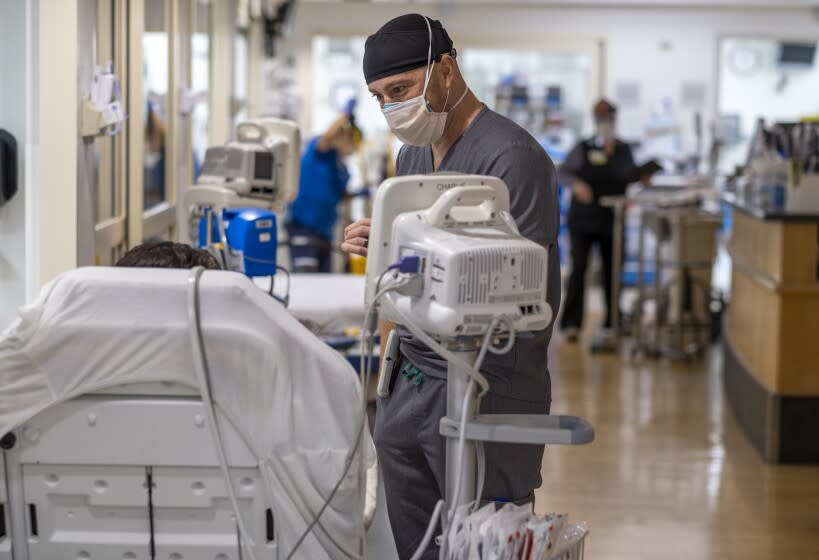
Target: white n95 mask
413, 121
605, 129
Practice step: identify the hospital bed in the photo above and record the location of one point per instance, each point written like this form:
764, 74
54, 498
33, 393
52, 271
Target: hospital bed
111, 451
332, 302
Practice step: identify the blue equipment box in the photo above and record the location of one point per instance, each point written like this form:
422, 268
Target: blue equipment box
251, 238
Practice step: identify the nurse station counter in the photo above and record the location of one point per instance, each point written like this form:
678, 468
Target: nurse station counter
772, 332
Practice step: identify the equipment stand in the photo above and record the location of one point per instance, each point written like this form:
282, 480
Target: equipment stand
456, 385
527, 429
610, 341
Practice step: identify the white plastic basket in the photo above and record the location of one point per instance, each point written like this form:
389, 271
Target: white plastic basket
575, 541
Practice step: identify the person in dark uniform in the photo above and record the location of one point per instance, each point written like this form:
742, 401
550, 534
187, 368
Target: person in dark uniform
597, 167
411, 69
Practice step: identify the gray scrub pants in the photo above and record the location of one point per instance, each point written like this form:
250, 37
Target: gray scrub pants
412, 456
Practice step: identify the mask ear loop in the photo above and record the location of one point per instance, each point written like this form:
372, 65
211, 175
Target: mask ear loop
430, 62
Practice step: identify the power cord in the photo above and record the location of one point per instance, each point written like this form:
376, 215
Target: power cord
200, 363
365, 373
472, 371
286, 299
149, 480
462, 433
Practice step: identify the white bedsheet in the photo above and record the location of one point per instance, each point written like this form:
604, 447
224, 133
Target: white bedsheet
293, 399
331, 301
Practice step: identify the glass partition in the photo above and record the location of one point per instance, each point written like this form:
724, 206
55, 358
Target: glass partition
155, 59
771, 79
106, 184
530, 86
239, 77
526, 85
200, 81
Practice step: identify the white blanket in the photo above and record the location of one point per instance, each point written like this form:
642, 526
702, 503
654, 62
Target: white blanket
294, 400
331, 302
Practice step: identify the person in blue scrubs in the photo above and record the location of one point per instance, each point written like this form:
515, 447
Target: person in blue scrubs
322, 185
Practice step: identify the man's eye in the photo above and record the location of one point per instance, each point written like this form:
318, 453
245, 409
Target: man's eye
398, 90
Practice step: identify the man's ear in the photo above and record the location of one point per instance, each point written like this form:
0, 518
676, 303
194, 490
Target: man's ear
448, 67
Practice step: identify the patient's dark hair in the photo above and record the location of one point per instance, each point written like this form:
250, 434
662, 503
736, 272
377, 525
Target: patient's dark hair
165, 254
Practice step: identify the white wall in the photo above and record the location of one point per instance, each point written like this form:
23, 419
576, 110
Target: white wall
13, 100
658, 49
38, 229
763, 89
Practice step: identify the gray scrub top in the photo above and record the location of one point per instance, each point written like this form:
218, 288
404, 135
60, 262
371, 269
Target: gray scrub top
494, 145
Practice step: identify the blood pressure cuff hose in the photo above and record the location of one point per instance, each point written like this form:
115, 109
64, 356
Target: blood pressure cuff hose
402, 44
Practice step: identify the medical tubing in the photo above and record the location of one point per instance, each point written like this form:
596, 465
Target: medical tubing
481, 457
286, 301
378, 283
470, 386
366, 370
200, 364
443, 352
149, 480
486, 343
475, 376
254, 259
479, 450
462, 433
422, 548
510, 343
220, 230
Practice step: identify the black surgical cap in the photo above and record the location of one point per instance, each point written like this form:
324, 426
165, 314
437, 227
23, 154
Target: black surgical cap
402, 44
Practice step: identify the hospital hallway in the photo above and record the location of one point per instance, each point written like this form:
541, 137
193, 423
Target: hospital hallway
670, 474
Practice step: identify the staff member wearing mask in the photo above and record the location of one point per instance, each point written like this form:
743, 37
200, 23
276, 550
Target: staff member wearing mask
597, 167
411, 69
322, 185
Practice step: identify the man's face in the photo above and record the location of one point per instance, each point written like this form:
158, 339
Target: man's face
409, 84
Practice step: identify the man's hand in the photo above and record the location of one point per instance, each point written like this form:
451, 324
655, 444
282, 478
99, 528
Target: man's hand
583, 192
356, 236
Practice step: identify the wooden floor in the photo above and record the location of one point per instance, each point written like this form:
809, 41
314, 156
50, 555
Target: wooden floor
670, 475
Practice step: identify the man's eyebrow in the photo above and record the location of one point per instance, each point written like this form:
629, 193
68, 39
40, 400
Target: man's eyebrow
399, 82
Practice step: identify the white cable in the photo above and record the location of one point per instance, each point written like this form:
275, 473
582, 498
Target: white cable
479, 449
461, 452
462, 432
481, 457
201, 367
429, 532
364, 372
203, 376
467, 368
486, 342
475, 376
510, 343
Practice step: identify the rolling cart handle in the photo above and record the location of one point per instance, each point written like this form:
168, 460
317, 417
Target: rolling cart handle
529, 429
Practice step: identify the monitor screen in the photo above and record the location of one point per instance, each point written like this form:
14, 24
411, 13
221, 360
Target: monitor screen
800, 54
263, 166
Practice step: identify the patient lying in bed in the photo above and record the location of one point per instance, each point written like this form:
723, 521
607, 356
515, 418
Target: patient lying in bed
166, 254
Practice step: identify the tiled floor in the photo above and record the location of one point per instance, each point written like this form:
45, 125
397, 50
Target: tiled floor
670, 475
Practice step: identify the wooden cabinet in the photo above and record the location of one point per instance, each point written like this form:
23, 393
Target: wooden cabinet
772, 334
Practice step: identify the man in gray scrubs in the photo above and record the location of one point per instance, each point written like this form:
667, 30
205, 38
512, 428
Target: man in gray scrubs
411, 69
